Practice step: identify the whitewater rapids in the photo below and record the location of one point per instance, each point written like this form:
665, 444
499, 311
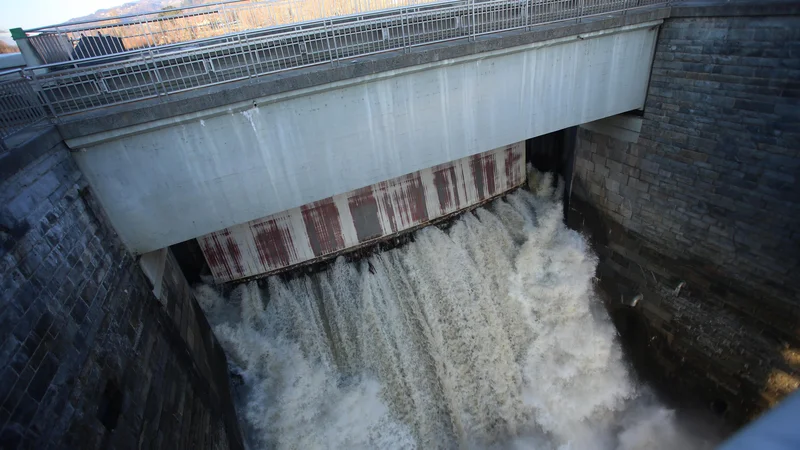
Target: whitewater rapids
486, 335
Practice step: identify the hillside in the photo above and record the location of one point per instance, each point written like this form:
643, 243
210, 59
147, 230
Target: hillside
136, 7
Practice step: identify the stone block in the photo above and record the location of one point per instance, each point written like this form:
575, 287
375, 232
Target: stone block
599, 160
602, 171
613, 199
620, 177
631, 171
639, 185
649, 166
612, 186
613, 166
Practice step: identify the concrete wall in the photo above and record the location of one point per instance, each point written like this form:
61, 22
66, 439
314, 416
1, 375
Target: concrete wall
707, 194
90, 357
175, 179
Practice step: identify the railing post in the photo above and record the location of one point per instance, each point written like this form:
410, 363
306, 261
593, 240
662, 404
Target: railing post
333, 50
225, 19
155, 78
41, 96
29, 54
149, 34
67, 37
245, 46
529, 14
405, 28
473, 22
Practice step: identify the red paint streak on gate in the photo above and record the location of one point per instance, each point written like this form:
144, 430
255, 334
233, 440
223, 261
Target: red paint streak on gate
386, 201
224, 258
444, 178
234, 252
413, 195
483, 173
489, 172
323, 226
364, 210
273, 243
216, 257
403, 201
476, 166
513, 175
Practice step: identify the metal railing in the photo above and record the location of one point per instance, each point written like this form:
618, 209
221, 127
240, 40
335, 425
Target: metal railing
78, 86
122, 34
20, 106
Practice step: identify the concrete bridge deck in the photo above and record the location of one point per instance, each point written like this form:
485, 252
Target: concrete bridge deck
127, 78
113, 121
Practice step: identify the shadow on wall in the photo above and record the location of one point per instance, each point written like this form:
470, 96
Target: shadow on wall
554, 152
677, 326
89, 357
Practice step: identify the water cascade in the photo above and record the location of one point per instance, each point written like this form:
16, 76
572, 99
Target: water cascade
485, 335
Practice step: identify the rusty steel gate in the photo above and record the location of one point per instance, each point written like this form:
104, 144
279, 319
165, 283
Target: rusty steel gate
328, 227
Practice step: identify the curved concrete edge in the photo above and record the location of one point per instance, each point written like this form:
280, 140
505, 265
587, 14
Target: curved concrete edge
221, 96
85, 141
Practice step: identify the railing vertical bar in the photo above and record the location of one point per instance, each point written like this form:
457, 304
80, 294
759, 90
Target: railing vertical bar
329, 38
405, 30
474, 22
40, 94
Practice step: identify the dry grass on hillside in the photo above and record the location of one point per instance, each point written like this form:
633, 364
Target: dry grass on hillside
238, 17
8, 48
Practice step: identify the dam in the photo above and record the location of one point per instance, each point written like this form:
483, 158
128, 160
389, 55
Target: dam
499, 224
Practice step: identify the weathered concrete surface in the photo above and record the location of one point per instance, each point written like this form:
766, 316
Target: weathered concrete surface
707, 194
85, 347
196, 174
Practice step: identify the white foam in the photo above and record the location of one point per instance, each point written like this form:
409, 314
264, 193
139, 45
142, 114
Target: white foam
483, 336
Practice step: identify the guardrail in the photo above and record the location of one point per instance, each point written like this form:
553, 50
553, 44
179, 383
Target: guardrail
116, 35
88, 84
20, 106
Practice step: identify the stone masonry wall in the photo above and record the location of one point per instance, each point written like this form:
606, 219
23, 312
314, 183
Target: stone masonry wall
89, 358
708, 195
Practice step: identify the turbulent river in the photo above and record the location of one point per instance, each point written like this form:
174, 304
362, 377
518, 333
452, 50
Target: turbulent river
485, 335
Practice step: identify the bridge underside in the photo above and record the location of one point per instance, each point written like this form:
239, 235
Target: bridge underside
247, 167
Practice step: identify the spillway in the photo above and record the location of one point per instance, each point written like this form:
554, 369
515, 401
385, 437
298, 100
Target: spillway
486, 334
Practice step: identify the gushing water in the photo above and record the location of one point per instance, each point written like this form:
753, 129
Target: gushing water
487, 335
